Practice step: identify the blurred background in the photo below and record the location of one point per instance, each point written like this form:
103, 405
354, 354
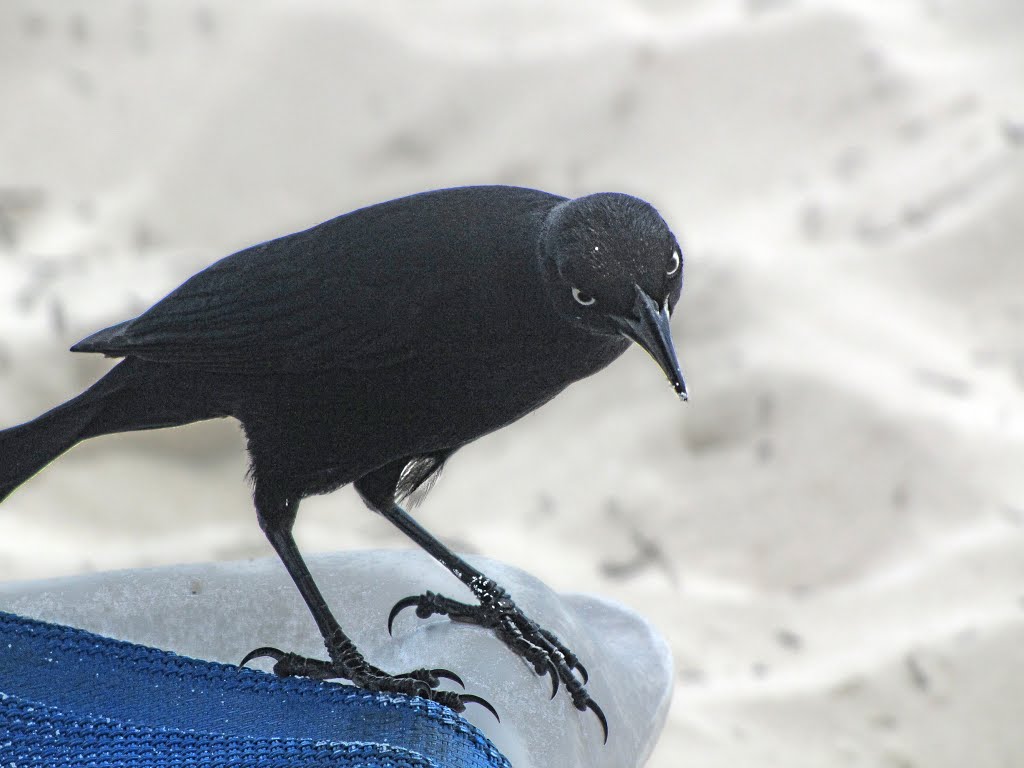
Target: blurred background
830, 534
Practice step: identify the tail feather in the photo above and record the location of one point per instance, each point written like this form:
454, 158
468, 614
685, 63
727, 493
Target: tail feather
27, 448
133, 395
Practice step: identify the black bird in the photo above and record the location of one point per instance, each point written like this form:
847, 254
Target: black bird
371, 347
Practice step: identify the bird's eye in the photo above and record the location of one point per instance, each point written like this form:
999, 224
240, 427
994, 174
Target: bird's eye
673, 265
583, 298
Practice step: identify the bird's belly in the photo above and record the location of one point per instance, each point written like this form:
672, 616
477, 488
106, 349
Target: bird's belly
473, 398
338, 426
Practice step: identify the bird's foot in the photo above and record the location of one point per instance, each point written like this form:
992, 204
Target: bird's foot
539, 647
353, 667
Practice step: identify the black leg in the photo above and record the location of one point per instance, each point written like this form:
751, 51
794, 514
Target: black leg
496, 610
345, 659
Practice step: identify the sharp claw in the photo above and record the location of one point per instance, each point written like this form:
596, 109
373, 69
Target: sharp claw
468, 698
591, 705
583, 672
554, 679
447, 674
401, 605
267, 651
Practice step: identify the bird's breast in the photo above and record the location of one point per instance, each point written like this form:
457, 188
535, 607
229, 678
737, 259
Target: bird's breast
466, 393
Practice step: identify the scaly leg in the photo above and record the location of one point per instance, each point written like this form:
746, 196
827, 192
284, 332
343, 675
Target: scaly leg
496, 610
345, 659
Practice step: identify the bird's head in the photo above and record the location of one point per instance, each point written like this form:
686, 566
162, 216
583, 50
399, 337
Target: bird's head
614, 267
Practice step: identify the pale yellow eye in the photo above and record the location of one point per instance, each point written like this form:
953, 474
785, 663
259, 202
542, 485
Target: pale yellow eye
673, 264
582, 298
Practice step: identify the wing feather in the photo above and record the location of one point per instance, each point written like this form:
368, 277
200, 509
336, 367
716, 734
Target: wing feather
364, 290
291, 305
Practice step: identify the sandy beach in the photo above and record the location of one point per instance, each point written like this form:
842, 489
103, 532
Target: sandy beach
830, 533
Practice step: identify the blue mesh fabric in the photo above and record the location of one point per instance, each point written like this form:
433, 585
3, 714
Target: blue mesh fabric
72, 698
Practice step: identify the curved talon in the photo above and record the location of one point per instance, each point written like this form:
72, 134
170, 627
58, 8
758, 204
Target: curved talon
591, 705
535, 645
273, 653
401, 605
554, 678
447, 674
469, 698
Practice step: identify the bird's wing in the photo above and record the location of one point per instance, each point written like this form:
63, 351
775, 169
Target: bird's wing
297, 304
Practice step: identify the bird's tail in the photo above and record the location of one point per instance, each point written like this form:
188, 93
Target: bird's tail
27, 448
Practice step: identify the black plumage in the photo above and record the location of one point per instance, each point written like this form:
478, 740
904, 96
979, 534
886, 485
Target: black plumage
368, 349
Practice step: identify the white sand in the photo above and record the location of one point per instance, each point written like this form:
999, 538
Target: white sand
831, 533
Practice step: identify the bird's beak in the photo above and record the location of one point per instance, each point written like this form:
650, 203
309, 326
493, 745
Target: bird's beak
648, 325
